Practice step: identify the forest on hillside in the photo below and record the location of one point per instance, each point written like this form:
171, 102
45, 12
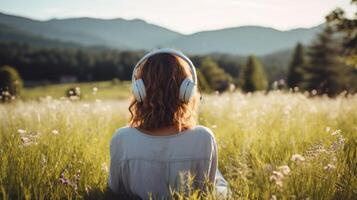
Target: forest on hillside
50, 64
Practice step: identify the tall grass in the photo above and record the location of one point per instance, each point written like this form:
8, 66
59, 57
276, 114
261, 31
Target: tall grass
89, 91
275, 146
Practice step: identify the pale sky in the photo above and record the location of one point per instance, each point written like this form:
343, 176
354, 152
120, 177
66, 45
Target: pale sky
185, 16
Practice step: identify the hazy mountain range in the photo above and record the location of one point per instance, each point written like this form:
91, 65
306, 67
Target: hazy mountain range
139, 35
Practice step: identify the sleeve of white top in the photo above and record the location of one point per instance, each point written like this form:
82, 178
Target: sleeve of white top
221, 187
113, 180
214, 161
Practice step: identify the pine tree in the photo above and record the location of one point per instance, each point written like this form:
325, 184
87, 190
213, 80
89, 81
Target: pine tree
347, 27
253, 77
295, 74
324, 71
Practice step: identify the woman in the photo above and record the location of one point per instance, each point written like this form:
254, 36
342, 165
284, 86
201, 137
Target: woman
163, 147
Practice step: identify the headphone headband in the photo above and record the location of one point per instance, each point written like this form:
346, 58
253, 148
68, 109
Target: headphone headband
168, 51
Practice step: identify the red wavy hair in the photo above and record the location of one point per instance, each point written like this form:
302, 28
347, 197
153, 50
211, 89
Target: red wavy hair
162, 75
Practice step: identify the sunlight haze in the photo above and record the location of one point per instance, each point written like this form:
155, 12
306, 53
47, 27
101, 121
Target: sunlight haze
185, 16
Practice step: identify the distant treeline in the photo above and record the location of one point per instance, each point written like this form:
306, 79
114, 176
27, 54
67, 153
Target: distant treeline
50, 64
36, 64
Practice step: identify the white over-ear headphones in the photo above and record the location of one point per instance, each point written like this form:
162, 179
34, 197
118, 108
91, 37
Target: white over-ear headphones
187, 88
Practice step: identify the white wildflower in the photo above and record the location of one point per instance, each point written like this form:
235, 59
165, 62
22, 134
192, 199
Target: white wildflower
95, 90
334, 158
78, 90
284, 169
21, 131
297, 158
55, 132
329, 167
232, 87
328, 129
104, 167
277, 177
336, 132
43, 160
25, 139
273, 197
87, 188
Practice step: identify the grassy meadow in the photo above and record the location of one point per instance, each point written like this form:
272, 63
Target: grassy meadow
275, 146
89, 91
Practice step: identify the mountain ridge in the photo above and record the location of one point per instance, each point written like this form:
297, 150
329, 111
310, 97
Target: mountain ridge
137, 34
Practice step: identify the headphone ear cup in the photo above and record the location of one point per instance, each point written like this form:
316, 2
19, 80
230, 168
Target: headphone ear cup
187, 90
183, 87
190, 91
139, 91
142, 89
135, 91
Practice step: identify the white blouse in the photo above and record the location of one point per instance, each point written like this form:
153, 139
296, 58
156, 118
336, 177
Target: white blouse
144, 166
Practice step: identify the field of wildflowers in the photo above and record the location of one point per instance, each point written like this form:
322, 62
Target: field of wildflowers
275, 146
113, 89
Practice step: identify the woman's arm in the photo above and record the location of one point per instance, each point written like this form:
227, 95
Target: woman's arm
216, 177
214, 161
113, 180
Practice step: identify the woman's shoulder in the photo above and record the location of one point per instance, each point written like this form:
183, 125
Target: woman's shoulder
122, 132
204, 131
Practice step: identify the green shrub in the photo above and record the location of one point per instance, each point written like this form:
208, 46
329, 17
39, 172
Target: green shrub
10, 83
215, 76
